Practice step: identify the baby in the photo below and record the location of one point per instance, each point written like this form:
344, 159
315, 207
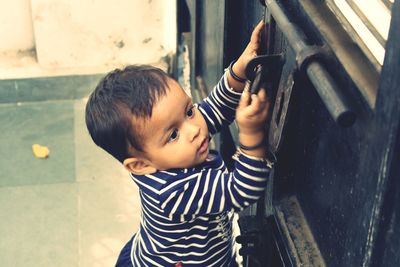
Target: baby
145, 120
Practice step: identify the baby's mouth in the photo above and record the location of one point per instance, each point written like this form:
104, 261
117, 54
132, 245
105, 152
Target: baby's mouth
203, 146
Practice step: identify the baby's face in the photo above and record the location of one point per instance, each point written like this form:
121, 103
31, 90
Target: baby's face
176, 135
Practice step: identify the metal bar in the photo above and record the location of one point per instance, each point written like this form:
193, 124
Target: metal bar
330, 95
294, 36
320, 78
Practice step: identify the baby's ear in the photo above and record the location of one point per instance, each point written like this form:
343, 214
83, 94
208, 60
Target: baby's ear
139, 166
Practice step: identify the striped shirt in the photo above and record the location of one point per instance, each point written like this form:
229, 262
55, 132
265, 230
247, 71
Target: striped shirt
186, 213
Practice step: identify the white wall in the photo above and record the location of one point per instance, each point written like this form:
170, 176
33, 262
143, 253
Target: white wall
16, 32
89, 33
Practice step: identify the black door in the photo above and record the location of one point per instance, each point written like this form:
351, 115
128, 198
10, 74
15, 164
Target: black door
335, 192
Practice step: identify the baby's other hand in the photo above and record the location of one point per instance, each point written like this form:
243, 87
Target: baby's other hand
250, 51
252, 112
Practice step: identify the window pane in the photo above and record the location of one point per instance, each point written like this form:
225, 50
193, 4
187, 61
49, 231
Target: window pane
368, 22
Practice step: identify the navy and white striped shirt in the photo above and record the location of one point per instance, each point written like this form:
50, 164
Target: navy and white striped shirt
186, 212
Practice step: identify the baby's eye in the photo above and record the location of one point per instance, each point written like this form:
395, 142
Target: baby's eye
190, 112
174, 135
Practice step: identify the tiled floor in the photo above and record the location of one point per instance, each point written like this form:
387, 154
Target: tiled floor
76, 208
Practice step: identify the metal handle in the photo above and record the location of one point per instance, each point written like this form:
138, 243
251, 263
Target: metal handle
263, 68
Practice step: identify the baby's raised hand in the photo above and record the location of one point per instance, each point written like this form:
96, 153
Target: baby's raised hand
250, 51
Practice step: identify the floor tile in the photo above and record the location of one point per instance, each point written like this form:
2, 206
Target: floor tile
109, 214
39, 226
44, 123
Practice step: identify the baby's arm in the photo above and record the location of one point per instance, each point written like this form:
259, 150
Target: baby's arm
219, 107
213, 191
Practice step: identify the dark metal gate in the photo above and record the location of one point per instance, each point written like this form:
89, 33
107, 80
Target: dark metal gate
335, 196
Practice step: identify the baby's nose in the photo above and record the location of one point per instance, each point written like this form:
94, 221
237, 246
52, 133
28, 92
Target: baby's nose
194, 131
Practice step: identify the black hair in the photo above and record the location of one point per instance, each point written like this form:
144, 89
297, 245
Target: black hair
121, 96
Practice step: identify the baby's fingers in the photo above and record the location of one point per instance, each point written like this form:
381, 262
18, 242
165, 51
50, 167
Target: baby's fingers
262, 95
256, 34
256, 104
244, 99
259, 102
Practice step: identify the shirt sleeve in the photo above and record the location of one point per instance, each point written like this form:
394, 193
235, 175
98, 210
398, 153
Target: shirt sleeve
219, 107
213, 191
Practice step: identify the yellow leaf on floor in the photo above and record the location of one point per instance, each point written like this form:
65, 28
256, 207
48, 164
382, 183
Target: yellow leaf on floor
40, 151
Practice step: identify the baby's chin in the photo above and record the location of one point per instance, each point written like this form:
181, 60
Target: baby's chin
204, 158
